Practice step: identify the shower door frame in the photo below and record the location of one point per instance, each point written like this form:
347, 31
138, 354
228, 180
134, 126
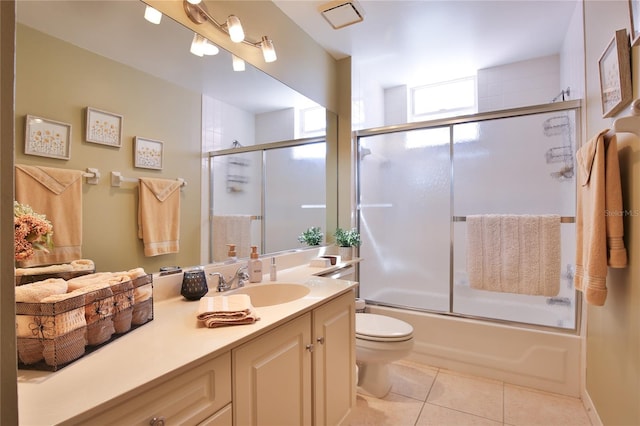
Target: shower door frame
575, 105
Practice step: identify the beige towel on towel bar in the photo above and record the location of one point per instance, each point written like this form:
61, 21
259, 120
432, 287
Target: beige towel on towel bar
56, 193
514, 253
159, 216
599, 224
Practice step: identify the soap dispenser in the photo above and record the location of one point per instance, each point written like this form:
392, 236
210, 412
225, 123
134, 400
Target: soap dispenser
231, 253
255, 266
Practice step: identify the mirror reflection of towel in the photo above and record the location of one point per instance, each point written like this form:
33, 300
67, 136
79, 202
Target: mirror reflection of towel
57, 194
231, 229
159, 216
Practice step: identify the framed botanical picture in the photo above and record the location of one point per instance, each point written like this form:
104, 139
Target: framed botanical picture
147, 153
47, 138
615, 75
103, 127
634, 13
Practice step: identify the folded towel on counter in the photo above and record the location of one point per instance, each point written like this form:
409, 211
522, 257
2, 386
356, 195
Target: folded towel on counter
57, 194
599, 217
217, 311
76, 265
159, 216
514, 253
38, 270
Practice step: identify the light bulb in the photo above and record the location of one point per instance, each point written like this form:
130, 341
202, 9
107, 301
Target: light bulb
236, 33
152, 15
238, 63
197, 45
194, 1
268, 51
209, 48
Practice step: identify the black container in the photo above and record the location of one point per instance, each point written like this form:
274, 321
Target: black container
194, 284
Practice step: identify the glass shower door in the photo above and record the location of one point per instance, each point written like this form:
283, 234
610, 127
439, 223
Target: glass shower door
518, 166
404, 208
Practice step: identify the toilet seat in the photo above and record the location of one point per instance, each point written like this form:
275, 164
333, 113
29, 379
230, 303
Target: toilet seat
380, 328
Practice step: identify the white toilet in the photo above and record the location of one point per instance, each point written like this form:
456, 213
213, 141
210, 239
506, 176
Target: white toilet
380, 340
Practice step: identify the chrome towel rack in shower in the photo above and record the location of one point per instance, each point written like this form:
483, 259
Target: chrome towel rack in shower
563, 219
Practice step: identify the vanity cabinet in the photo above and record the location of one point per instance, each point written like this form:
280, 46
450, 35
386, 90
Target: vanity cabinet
334, 360
201, 394
300, 373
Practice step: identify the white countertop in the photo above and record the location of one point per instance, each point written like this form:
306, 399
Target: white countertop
156, 350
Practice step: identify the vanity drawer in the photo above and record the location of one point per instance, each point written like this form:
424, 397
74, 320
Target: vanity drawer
186, 399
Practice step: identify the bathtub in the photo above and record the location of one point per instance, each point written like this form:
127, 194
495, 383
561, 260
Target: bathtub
541, 359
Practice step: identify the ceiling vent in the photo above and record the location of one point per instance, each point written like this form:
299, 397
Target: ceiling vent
342, 13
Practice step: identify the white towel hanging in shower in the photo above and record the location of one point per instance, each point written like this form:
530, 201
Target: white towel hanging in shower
514, 253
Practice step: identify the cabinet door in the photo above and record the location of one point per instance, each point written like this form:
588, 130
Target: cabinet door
334, 360
272, 376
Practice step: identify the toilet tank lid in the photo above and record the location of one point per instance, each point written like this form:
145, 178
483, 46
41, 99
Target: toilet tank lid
381, 326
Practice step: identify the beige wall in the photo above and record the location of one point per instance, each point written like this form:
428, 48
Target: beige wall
57, 80
613, 330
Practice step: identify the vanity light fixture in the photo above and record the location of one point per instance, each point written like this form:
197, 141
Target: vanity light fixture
152, 15
198, 14
238, 63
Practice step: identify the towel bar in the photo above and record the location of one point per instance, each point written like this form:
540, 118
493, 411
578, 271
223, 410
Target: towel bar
563, 219
92, 175
117, 179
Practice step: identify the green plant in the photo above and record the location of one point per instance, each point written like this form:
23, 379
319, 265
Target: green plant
347, 238
312, 236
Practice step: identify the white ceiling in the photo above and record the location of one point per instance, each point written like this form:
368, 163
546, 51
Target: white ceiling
423, 41
399, 41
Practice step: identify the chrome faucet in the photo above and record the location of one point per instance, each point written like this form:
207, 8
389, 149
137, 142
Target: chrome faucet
240, 278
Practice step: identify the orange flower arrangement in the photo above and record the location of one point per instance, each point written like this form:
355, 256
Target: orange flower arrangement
32, 232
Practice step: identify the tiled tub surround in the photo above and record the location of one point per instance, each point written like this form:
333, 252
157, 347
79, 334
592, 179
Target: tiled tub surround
161, 349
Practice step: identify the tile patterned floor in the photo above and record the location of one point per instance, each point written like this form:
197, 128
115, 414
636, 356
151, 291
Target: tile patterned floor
427, 396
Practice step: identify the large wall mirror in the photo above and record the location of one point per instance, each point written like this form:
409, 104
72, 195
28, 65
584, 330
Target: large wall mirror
103, 54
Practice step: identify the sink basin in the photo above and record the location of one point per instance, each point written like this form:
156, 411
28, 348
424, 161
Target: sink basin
272, 294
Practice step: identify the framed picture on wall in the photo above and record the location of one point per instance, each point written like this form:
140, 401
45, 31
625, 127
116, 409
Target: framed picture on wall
615, 75
103, 127
147, 153
47, 138
634, 13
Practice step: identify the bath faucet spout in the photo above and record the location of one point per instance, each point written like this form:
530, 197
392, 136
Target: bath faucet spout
239, 278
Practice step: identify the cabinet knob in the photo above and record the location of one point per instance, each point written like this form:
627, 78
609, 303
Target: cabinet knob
309, 347
320, 340
157, 421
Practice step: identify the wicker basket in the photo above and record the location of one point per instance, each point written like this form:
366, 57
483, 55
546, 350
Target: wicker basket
50, 335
